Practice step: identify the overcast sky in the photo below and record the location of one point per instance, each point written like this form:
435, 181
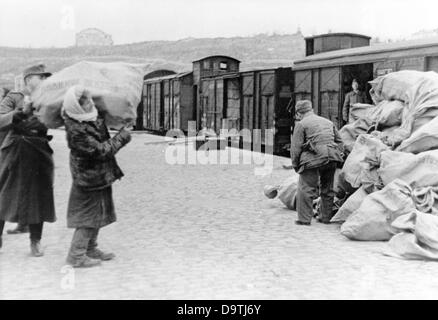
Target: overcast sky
45, 23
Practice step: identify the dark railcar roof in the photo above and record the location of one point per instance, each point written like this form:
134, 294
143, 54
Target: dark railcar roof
337, 34
171, 76
217, 56
158, 73
262, 69
368, 53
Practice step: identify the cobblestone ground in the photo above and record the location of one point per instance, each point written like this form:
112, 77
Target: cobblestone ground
204, 232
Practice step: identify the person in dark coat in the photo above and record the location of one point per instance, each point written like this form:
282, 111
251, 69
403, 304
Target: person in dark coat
316, 149
26, 163
355, 96
20, 228
94, 169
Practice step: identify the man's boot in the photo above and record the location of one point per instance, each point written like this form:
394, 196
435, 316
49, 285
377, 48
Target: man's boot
100, 255
19, 229
35, 249
85, 262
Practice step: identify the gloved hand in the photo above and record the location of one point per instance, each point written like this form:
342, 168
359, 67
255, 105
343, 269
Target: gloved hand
124, 136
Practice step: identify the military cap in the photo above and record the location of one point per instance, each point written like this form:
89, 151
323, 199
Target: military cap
39, 69
303, 106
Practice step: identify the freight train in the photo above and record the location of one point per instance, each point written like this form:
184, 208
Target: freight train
217, 95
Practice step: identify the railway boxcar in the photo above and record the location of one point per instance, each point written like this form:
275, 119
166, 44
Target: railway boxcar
168, 102
326, 77
220, 99
256, 99
215, 83
153, 104
178, 101
325, 84
140, 123
266, 95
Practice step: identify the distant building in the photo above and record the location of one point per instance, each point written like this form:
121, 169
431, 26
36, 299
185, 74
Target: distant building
93, 37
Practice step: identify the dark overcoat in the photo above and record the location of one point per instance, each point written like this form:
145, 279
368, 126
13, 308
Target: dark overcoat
26, 166
94, 169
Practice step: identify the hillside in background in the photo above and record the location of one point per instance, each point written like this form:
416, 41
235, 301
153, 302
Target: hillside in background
260, 51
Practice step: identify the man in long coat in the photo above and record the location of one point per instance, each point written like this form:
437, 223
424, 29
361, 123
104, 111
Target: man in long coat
26, 163
316, 148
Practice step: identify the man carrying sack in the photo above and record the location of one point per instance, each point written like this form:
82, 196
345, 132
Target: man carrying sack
26, 163
316, 148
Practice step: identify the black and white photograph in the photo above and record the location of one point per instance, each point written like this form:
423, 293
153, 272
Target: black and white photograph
218, 150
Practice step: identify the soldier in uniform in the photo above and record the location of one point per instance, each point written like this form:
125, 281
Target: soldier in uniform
316, 149
355, 96
26, 163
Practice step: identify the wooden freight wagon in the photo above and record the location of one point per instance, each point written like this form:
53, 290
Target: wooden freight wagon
326, 84
265, 96
153, 105
220, 99
216, 87
140, 123
168, 102
178, 102
325, 78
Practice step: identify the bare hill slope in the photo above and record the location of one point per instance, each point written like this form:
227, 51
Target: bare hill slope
259, 51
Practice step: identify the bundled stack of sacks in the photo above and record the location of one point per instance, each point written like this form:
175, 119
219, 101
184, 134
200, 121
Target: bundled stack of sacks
386, 117
114, 86
393, 166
